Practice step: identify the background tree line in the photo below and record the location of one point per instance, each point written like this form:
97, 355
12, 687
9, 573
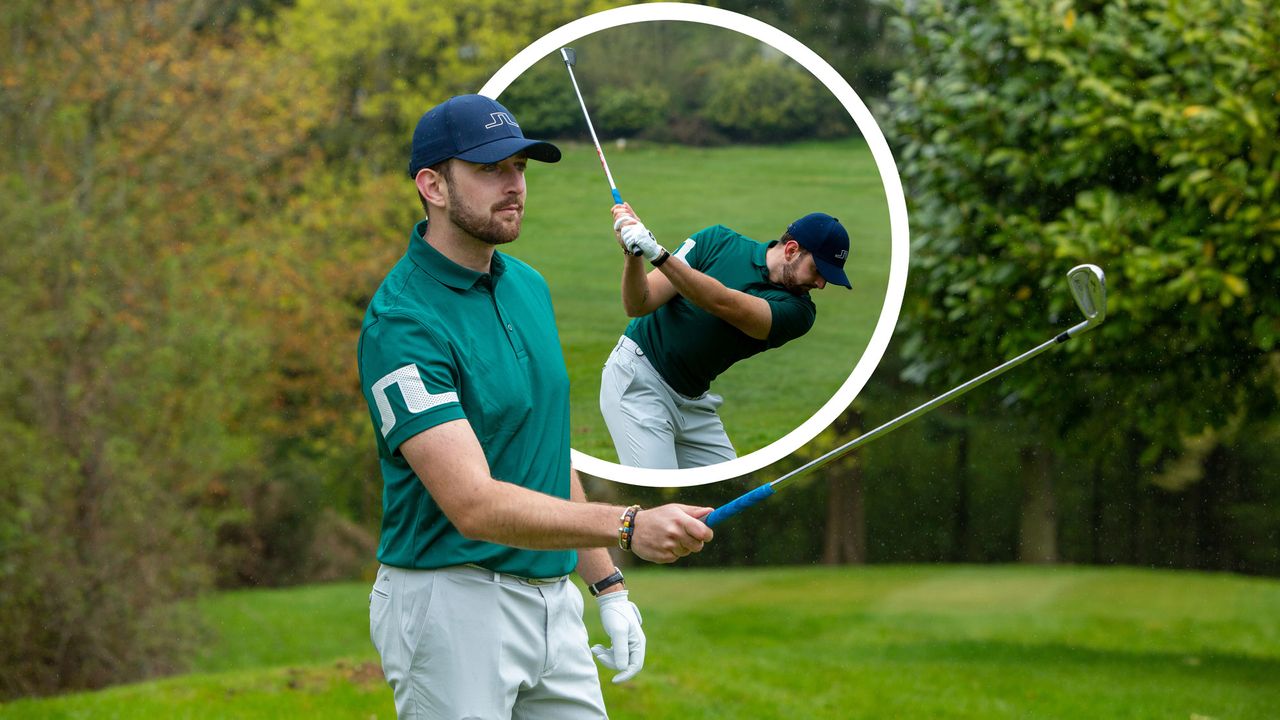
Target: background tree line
201, 197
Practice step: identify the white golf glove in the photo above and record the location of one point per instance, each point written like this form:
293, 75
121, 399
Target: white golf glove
640, 241
617, 226
621, 620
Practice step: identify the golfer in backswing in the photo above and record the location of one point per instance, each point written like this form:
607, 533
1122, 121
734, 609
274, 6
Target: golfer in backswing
720, 298
460, 364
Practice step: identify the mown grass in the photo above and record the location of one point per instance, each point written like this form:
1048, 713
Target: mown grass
757, 190
872, 642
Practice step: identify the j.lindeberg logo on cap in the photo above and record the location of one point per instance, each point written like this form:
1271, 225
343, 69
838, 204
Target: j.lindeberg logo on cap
501, 118
842, 254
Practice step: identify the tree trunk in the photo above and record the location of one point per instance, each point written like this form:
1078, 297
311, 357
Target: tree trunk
845, 539
962, 549
1038, 536
846, 536
1097, 517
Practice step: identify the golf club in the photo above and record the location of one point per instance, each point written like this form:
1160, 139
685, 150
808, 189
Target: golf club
571, 59
1088, 287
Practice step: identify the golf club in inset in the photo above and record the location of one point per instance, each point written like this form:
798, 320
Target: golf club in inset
1088, 287
571, 59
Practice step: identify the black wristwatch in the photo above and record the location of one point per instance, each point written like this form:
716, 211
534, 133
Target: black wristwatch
606, 583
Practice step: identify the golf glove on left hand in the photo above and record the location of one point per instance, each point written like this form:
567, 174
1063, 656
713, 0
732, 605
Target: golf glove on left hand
617, 227
639, 240
621, 620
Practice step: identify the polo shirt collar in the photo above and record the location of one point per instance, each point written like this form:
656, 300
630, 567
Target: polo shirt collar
758, 255
444, 270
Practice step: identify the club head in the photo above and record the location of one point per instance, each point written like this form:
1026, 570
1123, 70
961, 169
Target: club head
1089, 288
570, 57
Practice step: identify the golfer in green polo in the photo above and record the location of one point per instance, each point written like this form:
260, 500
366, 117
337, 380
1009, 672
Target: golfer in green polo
483, 518
720, 298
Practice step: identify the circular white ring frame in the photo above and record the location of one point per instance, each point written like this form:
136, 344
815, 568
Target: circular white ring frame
899, 239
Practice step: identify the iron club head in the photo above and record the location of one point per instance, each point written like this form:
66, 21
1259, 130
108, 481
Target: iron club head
1089, 288
570, 57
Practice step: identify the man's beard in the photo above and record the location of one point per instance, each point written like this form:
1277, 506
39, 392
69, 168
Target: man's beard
788, 279
485, 228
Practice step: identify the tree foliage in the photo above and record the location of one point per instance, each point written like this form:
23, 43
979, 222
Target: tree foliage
1140, 136
772, 100
850, 34
686, 83
124, 374
388, 61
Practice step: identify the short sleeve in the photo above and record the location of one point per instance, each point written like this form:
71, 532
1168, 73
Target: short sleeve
792, 317
409, 378
697, 250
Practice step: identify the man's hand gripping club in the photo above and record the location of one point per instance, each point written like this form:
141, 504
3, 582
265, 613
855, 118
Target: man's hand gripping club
634, 237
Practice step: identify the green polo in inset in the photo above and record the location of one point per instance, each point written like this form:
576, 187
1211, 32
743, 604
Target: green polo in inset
689, 346
442, 342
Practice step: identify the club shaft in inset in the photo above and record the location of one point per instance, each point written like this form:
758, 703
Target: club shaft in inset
617, 196
759, 494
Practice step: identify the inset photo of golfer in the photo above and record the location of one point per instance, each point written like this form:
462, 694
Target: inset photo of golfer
769, 300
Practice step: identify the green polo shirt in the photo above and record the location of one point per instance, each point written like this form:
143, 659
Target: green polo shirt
442, 342
689, 346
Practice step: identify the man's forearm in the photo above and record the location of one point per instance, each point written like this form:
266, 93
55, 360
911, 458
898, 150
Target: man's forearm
748, 313
635, 287
519, 517
698, 288
448, 460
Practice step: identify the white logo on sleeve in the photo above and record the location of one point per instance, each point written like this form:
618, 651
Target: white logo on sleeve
685, 247
415, 394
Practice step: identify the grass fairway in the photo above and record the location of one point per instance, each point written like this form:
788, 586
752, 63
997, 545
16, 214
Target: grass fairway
878, 642
677, 191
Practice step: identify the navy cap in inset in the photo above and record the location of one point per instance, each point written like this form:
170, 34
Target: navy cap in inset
472, 128
825, 238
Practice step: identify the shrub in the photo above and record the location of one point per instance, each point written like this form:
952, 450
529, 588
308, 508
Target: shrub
771, 100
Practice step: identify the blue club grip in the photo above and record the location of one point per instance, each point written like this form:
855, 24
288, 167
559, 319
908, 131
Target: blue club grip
724, 512
617, 197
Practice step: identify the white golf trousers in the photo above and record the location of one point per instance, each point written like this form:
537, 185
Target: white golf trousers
468, 643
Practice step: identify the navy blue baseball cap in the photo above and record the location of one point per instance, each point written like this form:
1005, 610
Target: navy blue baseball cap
472, 128
825, 238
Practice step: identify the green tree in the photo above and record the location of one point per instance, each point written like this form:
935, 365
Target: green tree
1141, 136
851, 35
388, 61
767, 100
134, 140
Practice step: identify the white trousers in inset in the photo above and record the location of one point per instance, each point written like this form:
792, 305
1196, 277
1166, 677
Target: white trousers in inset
652, 425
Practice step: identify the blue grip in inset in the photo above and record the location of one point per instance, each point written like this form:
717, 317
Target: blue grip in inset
736, 506
617, 197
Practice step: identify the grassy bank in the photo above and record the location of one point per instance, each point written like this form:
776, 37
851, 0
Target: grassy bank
912, 642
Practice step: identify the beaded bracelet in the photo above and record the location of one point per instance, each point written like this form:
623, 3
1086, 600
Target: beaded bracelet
628, 527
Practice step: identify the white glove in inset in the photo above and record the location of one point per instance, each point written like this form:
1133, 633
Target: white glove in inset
621, 620
639, 240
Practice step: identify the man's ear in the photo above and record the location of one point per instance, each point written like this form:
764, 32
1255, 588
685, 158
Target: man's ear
433, 186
